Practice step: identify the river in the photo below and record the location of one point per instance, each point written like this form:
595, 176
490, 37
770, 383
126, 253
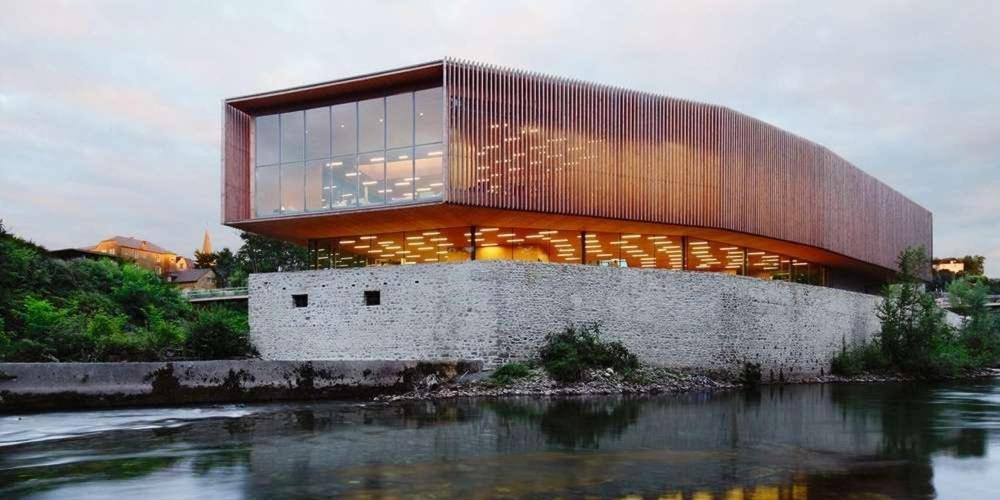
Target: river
781, 442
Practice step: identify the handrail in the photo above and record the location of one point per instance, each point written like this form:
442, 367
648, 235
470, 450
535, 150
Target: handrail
194, 293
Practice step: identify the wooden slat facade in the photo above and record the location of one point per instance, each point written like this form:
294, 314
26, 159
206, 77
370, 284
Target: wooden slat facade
237, 138
564, 152
531, 142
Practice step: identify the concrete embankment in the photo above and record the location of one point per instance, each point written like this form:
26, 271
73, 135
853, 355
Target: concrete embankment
51, 386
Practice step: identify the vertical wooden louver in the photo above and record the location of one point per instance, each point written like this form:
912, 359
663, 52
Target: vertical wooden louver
525, 141
236, 168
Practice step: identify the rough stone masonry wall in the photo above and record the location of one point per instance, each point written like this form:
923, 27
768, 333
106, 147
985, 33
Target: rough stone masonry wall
497, 311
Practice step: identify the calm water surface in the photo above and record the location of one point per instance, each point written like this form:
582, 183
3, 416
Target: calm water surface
795, 442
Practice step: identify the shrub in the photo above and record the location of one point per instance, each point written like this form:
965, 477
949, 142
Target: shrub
508, 373
949, 359
855, 360
751, 375
980, 329
567, 354
218, 333
916, 339
49, 333
100, 310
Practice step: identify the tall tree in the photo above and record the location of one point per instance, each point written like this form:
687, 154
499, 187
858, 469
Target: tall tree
260, 254
204, 260
973, 264
228, 270
912, 324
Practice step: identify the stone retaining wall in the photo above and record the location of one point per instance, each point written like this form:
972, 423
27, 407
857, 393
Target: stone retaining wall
46, 386
498, 311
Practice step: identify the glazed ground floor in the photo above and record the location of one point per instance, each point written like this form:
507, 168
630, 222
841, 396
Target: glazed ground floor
605, 249
437, 233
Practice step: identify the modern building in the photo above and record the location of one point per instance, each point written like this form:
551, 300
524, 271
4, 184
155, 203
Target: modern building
529, 202
453, 161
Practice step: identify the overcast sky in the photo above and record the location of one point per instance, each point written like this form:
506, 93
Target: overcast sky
110, 111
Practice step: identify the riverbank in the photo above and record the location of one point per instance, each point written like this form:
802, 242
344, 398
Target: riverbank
28, 387
645, 380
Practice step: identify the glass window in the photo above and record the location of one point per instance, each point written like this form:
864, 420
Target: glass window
317, 133
704, 256
428, 105
292, 183
767, 265
399, 175
266, 192
292, 136
416, 247
345, 128
427, 172
371, 177
602, 249
266, 139
316, 195
341, 183
399, 127
371, 125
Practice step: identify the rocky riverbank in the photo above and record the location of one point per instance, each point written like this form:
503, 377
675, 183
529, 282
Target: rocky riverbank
645, 380
872, 378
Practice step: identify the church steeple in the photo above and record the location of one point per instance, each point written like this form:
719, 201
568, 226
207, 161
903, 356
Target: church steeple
206, 244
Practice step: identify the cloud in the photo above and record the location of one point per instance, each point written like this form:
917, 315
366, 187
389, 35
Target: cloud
117, 104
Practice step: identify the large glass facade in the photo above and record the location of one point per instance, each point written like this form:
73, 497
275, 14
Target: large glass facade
644, 251
379, 151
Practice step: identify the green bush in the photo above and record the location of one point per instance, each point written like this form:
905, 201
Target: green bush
980, 329
853, 361
218, 333
101, 310
508, 373
567, 354
751, 374
916, 339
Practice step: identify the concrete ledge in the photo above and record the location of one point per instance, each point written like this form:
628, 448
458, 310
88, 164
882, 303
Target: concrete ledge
48, 386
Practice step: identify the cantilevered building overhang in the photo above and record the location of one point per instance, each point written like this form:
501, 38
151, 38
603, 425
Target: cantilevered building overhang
497, 163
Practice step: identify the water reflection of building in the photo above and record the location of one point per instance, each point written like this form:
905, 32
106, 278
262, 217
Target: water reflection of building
878, 441
766, 446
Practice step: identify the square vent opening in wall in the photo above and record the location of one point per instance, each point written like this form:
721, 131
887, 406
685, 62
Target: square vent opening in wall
300, 299
373, 297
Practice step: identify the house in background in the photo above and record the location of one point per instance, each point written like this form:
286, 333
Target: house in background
175, 269
143, 253
950, 264
200, 279
78, 253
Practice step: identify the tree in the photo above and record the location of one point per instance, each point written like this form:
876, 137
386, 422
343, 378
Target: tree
228, 271
980, 331
260, 254
913, 325
204, 260
973, 264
